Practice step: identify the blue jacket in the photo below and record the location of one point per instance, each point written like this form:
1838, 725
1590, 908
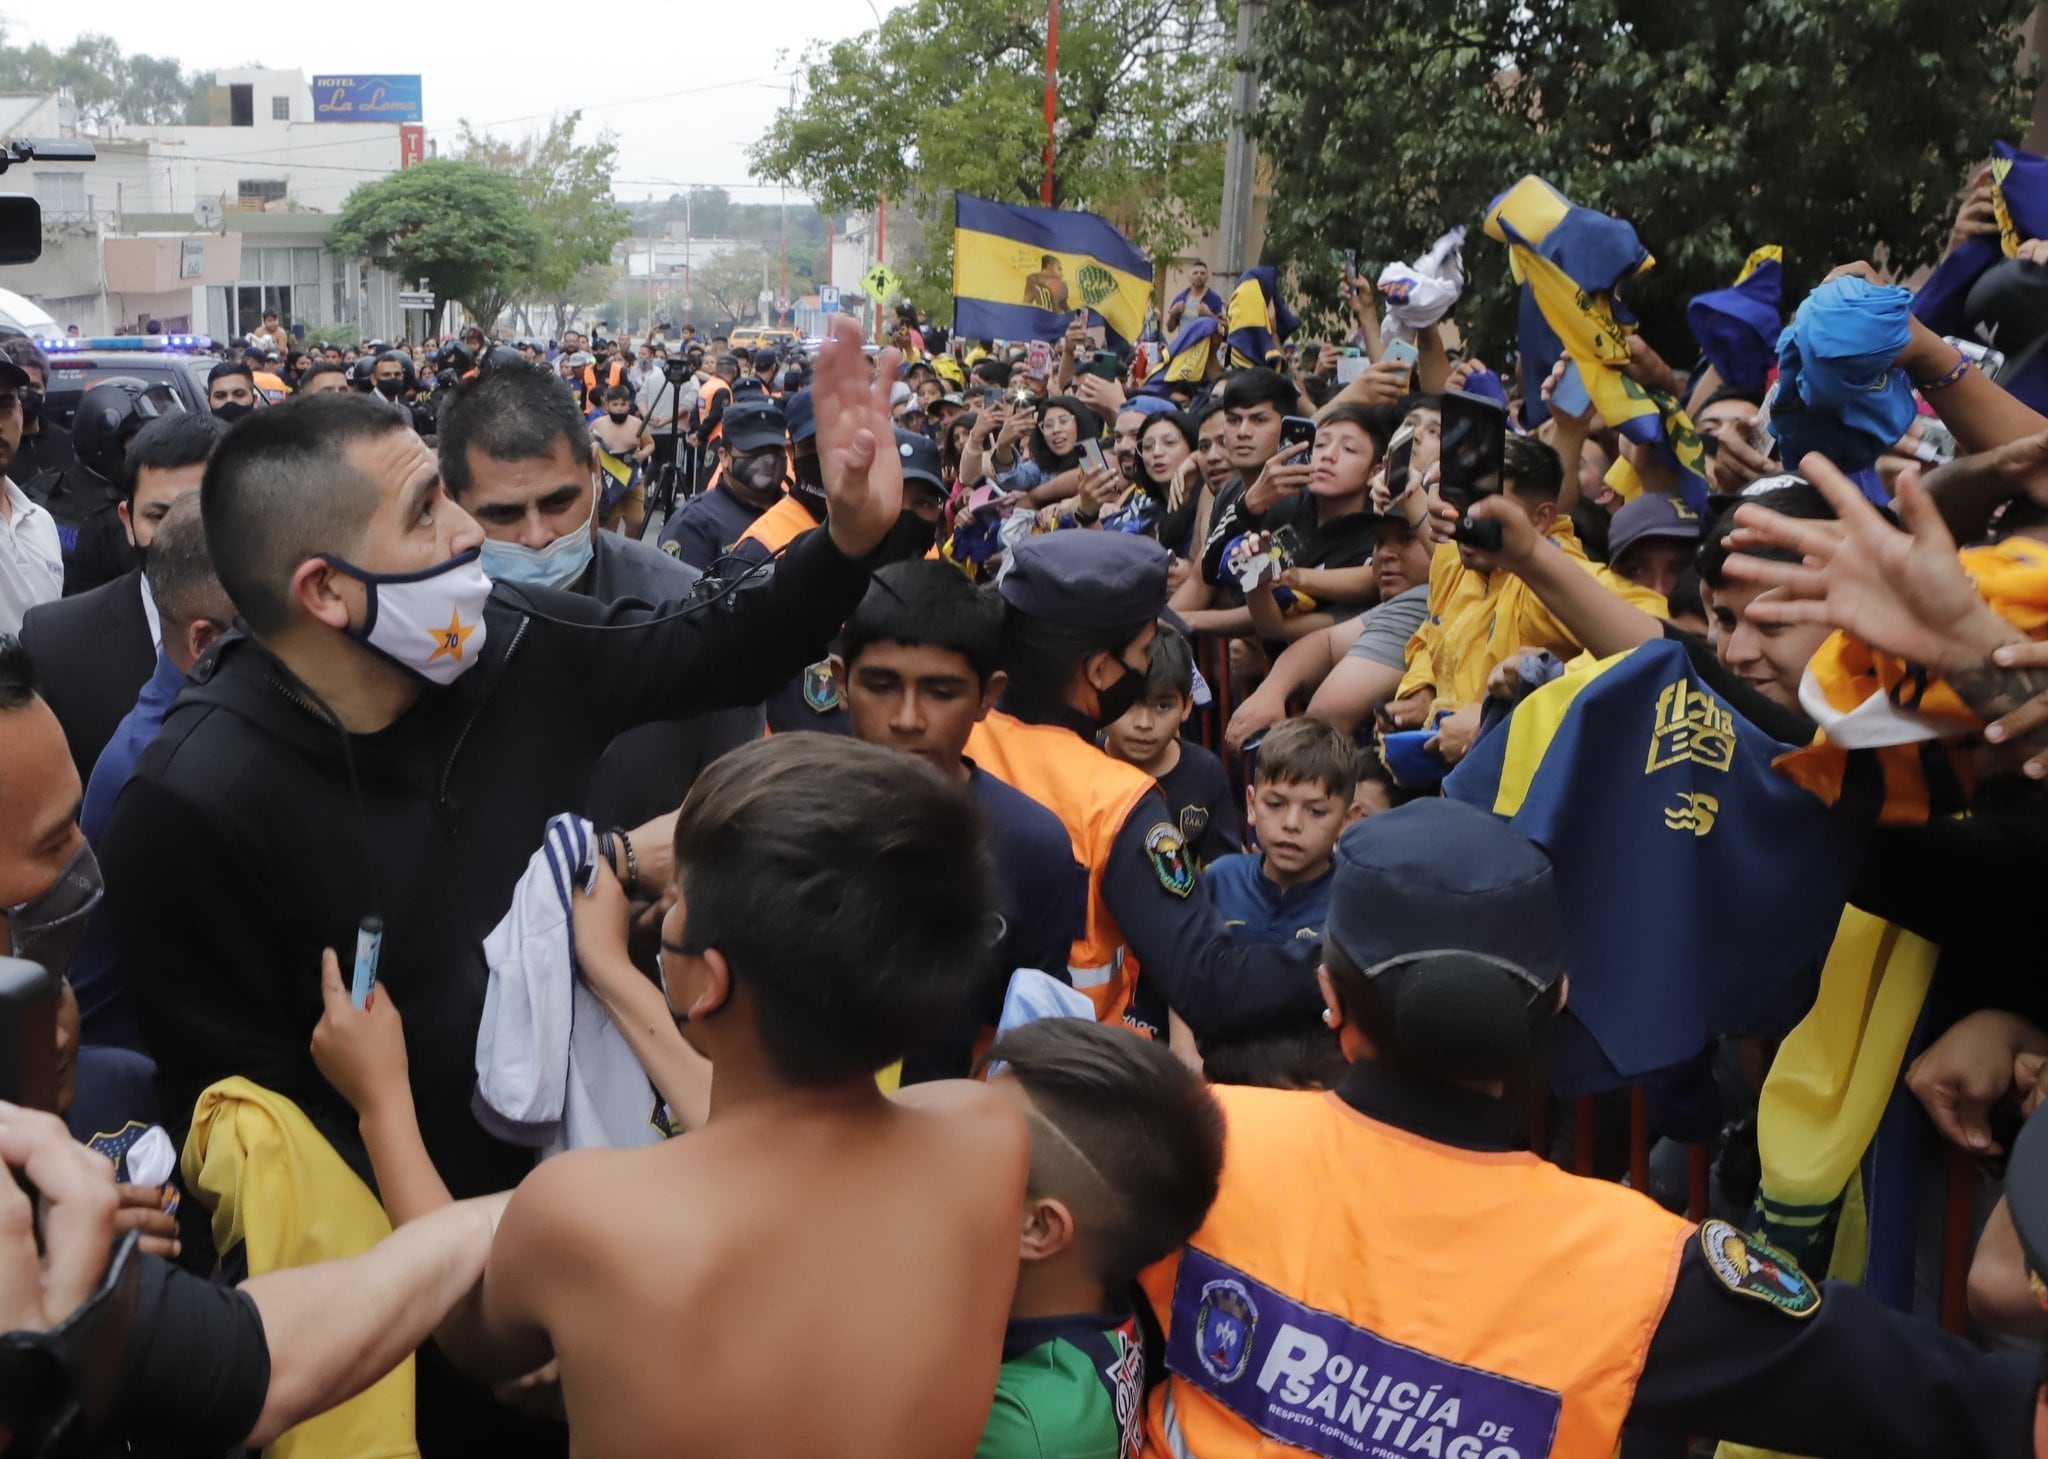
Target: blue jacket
1255, 909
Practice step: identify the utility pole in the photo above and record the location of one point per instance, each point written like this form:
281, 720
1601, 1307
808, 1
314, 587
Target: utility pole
1240, 157
1052, 93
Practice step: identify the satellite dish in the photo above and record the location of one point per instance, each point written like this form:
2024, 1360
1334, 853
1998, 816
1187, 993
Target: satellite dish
208, 213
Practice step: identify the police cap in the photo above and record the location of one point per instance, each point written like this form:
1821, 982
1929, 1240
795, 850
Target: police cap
920, 457
803, 418
1083, 579
1454, 920
2026, 1192
755, 423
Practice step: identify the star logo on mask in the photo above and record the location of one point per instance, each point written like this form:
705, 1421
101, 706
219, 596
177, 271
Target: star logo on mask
449, 641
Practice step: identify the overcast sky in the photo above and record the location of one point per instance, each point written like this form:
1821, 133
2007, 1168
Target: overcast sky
686, 86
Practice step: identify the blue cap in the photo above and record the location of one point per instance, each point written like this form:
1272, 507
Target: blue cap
754, 424
803, 420
1442, 874
920, 457
1083, 579
1649, 515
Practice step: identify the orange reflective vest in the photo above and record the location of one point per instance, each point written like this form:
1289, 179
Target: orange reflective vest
1093, 795
269, 384
617, 372
1359, 1290
780, 525
707, 400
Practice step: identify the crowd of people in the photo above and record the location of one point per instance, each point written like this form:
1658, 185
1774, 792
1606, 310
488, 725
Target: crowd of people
1043, 898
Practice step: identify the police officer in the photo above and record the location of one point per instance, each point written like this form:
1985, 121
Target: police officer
1384, 1272
1083, 609
803, 506
753, 461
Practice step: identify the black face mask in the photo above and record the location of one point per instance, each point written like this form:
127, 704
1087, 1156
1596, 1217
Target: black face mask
912, 536
1115, 701
616, 417
391, 389
760, 471
231, 411
31, 404
809, 488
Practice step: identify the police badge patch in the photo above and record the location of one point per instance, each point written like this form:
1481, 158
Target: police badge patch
1169, 855
1751, 1267
821, 690
1225, 1322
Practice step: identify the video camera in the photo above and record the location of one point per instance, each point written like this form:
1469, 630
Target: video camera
21, 216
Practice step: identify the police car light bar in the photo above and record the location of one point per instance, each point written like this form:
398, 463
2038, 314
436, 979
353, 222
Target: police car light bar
150, 343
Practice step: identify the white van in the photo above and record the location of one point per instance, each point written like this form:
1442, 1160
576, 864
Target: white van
20, 315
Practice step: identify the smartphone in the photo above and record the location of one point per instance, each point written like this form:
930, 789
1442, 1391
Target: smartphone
1403, 351
28, 1034
1475, 433
1400, 451
1350, 263
1350, 366
1286, 548
1091, 453
1102, 364
1570, 396
1987, 360
1297, 430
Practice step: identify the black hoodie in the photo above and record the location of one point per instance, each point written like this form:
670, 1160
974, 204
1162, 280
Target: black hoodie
236, 852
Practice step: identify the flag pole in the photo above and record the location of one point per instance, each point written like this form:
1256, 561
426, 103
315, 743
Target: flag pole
1052, 92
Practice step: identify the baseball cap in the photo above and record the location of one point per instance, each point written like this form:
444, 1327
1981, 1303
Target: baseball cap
765, 359
12, 374
1087, 579
1650, 516
802, 417
755, 424
2007, 309
920, 456
2026, 1193
899, 394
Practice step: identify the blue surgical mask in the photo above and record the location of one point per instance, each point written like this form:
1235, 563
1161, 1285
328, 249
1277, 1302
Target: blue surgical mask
556, 565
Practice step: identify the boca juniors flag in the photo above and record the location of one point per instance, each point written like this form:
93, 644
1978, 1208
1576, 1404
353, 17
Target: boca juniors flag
1021, 273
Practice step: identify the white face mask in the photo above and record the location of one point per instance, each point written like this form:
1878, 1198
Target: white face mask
556, 565
431, 623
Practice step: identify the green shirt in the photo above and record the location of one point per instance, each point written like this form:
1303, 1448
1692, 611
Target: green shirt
1070, 1388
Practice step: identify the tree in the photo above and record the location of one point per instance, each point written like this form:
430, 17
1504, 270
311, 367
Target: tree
459, 225
949, 94
107, 86
1839, 129
567, 190
729, 285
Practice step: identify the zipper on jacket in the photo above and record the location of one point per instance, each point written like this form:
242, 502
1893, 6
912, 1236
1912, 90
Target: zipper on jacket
448, 769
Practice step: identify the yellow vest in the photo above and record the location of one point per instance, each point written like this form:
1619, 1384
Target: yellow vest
1359, 1290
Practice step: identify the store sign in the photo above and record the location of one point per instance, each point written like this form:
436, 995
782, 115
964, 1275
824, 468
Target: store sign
412, 145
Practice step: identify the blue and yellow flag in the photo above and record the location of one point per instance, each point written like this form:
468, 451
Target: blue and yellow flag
1257, 320
1187, 357
1020, 273
1670, 834
1737, 327
1571, 263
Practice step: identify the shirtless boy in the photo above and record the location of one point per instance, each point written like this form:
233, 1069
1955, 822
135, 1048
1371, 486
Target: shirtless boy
819, 1270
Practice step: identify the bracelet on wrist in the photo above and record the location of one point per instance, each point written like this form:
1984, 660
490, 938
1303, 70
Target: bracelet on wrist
632, 876
1961, 368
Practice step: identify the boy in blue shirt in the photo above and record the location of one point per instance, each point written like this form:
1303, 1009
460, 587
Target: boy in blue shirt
1194, 782
916, 671
1299, 803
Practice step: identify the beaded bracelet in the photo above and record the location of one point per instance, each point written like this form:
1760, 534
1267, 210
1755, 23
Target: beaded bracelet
1962, 366
632, 877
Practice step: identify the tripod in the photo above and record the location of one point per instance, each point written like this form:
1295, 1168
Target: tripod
676, 480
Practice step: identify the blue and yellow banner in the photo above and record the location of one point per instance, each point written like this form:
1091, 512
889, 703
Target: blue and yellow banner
1737, 327
1658, 805
2019, 199
1571, 263
1257, 320
1020, 273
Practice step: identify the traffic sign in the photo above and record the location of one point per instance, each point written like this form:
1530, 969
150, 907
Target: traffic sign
878, 283
414, 303
828, 298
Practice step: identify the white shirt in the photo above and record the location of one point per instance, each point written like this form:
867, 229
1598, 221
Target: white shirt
31, 560
150, 614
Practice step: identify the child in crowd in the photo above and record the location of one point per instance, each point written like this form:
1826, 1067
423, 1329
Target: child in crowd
1126, 1151
1300, 802
1196, 786
1302, 1055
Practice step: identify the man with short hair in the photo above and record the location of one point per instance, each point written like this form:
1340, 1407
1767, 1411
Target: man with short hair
385, 745
326, 375
1205, 301
230, 390
45, 445
516, 456
94, 651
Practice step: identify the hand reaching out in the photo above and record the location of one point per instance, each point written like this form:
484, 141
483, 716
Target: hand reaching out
360, 1051
1970, 1068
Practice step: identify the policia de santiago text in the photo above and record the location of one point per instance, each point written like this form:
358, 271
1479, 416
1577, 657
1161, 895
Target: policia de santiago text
1384, 1274
1081, 610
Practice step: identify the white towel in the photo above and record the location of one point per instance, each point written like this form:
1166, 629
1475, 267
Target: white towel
552, 1070
1419, 294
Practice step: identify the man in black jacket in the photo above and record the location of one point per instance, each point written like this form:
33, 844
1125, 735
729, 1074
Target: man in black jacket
94, 652
388, 739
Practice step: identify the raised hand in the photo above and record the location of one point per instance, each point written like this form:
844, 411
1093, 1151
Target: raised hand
856, 453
